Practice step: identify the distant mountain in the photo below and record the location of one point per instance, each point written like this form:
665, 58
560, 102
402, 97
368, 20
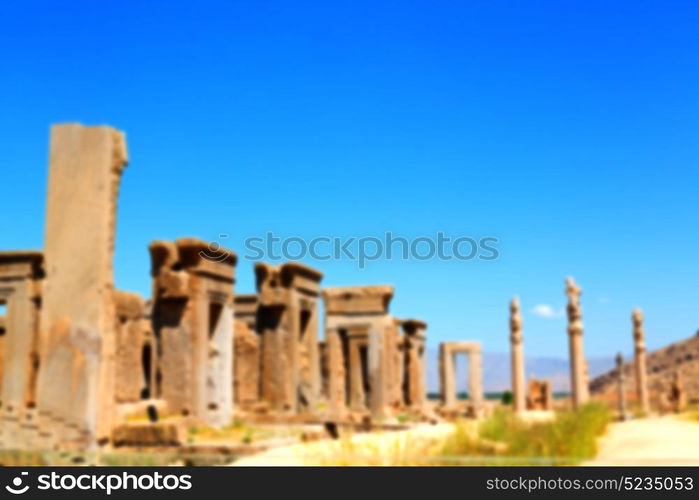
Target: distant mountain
496, 371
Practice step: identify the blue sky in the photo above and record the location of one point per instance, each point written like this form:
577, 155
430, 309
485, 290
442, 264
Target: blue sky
566, 129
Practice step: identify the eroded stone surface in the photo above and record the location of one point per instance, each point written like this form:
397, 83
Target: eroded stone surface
247, 366
540, 395
415, 371
193, 319
287, 324
361, 340
76, 380
21, 277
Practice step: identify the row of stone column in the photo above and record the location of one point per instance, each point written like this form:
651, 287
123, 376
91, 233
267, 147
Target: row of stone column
579, 377
78, 349
578, 366
368, 363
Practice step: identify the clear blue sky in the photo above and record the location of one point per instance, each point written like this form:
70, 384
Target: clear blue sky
569, 130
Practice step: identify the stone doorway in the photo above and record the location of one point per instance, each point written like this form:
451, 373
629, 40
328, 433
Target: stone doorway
447, 368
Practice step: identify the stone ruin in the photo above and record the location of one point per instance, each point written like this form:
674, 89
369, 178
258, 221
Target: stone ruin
136, 350
675, 398
413, 376
579, 383
447, 371
79, 357
21, 276
192, 316
363, 368
75, 388
247, 367
640, 363
362, 351
540, 395
517, 351
621, 387
286, 322
653, 374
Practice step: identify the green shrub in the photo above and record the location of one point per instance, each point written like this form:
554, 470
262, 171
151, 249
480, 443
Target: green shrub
507, 398
504, 438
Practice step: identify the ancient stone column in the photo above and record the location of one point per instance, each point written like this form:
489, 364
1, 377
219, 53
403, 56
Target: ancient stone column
380, 337
414, 334
396, 375
578, 387
133, 346
621, 386
476, 379
21, 274
336, 373
517, 350
640, 360
246, 353
446, 376
75, 395
357, 345
246, 369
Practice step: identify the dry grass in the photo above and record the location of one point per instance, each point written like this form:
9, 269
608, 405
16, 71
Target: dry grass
502, 439
239, 433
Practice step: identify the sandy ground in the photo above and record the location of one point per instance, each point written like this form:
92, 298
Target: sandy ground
666, 440
377, 446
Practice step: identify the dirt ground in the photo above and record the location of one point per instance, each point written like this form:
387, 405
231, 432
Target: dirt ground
668, 440
371, 449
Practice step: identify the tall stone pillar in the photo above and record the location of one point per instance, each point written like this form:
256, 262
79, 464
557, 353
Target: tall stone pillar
446, 376
336, 373
396, 363
579, 390
621, 387
380, 337
135, 349
414, 334
75, 395
246, 353
358, 349
21, 275
517, 350
640, 360
476, 379
246, 368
